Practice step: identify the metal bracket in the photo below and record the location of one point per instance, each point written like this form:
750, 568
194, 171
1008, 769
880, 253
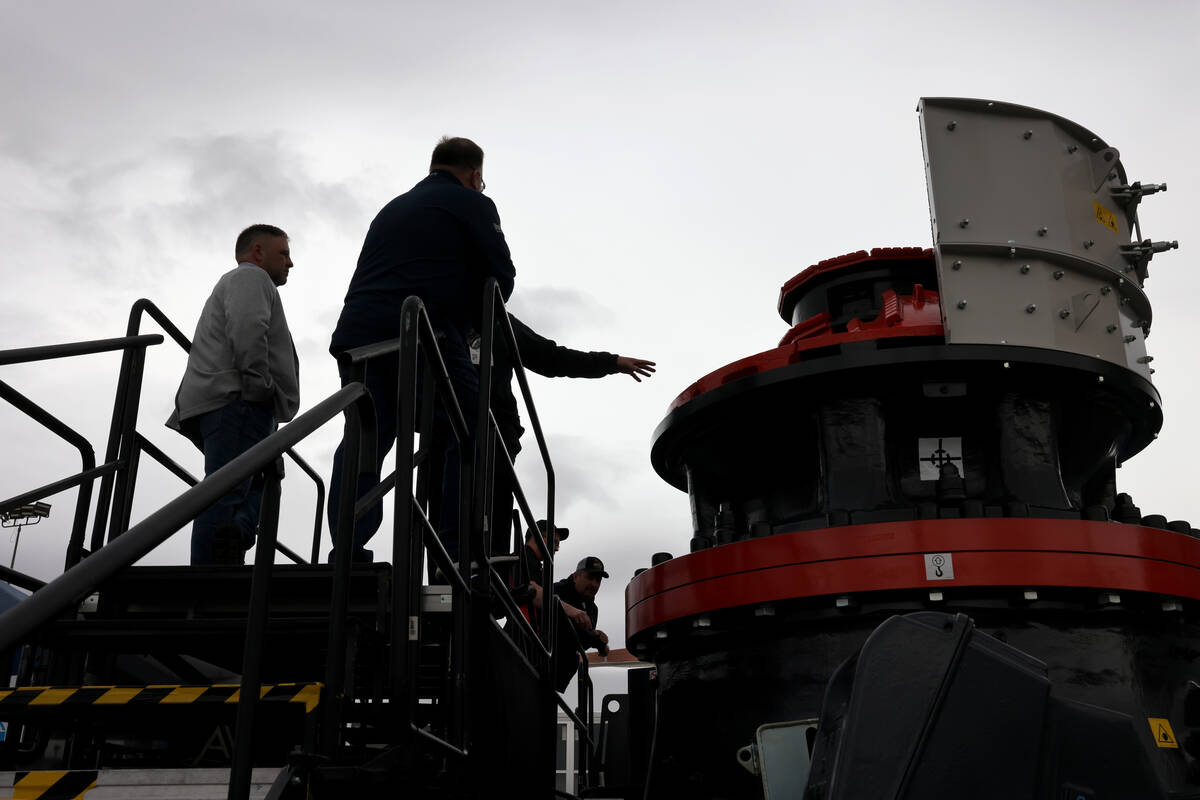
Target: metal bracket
1103, 163
1139, 254
748, 757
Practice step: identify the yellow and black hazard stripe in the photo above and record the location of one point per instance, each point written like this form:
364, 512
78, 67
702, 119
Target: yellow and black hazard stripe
53, 784
308, 694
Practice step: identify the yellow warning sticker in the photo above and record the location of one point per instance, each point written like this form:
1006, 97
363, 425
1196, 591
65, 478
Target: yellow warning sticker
1163, 735
1105, 217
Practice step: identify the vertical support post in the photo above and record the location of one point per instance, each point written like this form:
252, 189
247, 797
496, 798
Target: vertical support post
122, 504
356, 429
406, 542
104, 498
256, 629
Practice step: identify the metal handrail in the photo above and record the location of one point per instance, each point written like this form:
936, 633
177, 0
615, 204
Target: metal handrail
25, 355
80, 580
86, 477
124, 439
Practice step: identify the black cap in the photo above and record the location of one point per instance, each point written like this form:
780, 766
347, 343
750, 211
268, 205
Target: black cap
544, 527
592, 564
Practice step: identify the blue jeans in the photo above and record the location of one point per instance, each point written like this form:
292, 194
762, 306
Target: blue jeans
381, 381
227, 432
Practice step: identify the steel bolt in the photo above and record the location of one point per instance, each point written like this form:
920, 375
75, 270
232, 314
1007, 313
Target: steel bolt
962, 304
1064, 313
1087, 243
1099, 379
1012, 252
1042, 230
1111, 328
1145, 359
1072, 148
1124, 301
951, 125
1027, 134
1058, 274
1152, 404
1105, 289
956, 265
1024, 269
964, 222
1032, 307
1129, 338
1006, 365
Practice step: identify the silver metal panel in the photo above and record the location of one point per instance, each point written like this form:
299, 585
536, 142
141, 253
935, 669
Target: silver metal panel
437, 599
1027, 233
783, 758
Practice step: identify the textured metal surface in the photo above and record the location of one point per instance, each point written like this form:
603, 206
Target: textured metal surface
1027, 232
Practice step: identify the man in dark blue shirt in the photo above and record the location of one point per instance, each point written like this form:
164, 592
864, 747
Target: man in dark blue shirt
440, 241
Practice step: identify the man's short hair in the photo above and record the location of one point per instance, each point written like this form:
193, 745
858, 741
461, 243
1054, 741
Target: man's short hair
251, 236
457, 153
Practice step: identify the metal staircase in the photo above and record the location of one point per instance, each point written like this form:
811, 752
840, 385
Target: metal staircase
284, 680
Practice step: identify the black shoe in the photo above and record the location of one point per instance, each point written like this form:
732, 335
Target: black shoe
357, 556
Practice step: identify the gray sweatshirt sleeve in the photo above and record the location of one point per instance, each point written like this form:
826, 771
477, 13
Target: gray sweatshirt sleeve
248, 303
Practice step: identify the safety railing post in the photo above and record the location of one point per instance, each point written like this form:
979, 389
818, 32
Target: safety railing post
256, 630
105, 495
122, 503
407, 534
359, 425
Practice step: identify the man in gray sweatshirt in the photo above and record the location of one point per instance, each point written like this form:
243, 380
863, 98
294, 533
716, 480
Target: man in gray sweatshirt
242, 378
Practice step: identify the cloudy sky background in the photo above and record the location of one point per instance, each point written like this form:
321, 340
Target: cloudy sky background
660, 169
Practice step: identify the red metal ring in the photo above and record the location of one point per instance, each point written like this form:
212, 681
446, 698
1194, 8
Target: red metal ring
1027, 552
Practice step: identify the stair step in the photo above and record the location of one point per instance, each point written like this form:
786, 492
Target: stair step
208, 592
131, 784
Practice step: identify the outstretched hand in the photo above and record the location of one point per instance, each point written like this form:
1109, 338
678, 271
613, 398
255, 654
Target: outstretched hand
633, 367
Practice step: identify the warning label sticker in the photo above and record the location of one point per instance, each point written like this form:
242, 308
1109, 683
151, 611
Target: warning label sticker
1163, 735
1105, 217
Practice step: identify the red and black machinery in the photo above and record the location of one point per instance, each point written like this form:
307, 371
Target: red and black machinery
911, 572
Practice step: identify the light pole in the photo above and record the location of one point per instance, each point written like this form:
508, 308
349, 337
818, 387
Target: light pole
21, 516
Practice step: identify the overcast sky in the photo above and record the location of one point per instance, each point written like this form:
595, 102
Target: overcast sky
660, 170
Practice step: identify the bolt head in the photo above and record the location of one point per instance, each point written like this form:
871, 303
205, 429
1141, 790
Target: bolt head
1058, 274
1064, 313
951, 125
964, 222
1042, 231
1027, 135
1032, 307
956, 265
1025, 269
962, 304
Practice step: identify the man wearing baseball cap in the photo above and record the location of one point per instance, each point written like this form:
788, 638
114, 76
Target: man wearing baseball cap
578, 594
529, 580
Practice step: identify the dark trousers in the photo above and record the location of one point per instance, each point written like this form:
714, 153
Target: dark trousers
226, 433
503, 502
382, 381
